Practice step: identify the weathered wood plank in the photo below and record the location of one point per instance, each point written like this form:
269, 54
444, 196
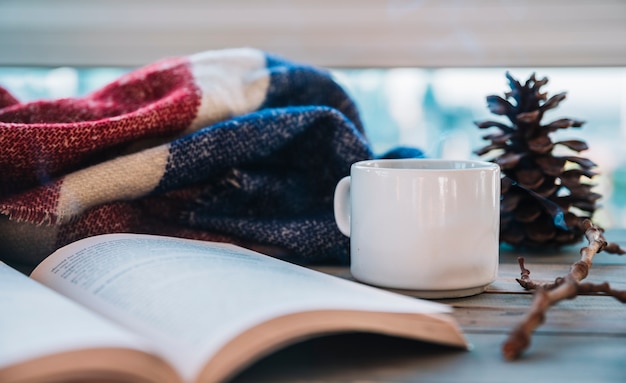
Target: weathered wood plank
562, 321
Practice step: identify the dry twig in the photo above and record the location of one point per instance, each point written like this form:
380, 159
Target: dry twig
548, 294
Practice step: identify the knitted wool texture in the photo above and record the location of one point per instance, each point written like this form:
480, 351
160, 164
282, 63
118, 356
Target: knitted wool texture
233, 145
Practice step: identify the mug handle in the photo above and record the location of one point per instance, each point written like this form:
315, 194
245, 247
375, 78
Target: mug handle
342, 205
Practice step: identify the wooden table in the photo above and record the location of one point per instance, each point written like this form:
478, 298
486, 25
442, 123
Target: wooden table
582, 340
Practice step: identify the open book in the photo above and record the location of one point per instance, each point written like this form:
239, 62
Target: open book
129, 307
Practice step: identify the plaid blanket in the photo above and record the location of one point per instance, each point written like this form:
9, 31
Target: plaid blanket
235, 145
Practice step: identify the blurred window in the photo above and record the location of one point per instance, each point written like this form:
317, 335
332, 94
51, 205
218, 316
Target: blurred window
419, 70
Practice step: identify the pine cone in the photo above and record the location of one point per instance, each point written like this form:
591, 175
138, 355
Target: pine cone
543, 200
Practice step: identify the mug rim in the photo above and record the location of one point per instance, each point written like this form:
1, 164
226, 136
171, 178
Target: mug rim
440, 164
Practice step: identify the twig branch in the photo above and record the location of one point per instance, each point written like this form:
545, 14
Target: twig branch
568, 287
530, 284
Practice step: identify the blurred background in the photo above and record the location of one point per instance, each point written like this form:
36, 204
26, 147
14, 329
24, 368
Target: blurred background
419, 71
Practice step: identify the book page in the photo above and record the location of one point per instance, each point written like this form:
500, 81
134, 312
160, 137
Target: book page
192, 297
37, 322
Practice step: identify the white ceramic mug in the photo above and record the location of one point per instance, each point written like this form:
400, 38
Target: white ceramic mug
428, 225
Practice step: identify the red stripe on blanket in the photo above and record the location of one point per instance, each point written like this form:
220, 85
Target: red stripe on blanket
131, 216
37, 205
6, 98
44, 139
